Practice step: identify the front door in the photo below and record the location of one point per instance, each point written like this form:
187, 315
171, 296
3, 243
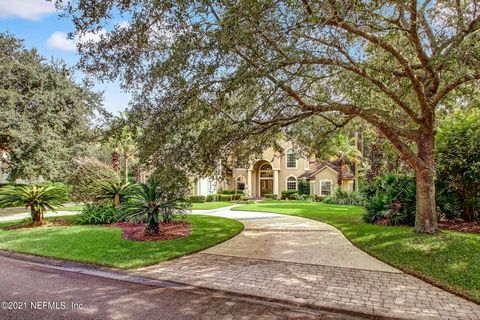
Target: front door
266, 187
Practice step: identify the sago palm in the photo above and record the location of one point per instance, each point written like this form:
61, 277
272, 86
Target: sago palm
114, 190
39, 198
148, 201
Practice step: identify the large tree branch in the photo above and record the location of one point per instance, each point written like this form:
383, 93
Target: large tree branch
394, 134
364, 74
414, 37
453, 85
351, 66
349, 109
454, 41
416, 83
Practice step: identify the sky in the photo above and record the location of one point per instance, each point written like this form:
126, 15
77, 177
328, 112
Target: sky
39, 25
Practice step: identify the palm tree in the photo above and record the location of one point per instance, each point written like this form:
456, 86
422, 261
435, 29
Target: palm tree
122, 138
149, 200
344, 152
39, 198
113, 190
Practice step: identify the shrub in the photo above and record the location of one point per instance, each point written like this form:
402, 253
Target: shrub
86, 178
225, 197
449, 201
155, 202
345, 198
116, 191
293, 196
245, 200
39, 198
286, 194
212, 198
390, 199
197, 199
304, 197
319, 198
227, 191
97, 214
236, 196
271, 196
303, 187
458, 165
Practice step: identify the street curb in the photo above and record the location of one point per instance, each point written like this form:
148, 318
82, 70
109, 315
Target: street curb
134, 277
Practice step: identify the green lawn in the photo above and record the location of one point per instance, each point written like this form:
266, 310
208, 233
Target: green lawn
448, 259
211, 205
104, 245
71, 208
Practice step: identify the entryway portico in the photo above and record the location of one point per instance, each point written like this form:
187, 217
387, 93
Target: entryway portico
262, 179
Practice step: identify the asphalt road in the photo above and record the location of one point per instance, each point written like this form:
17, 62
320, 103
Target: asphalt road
46, 293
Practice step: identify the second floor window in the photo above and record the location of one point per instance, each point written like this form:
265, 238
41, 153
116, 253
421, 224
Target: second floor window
291, 159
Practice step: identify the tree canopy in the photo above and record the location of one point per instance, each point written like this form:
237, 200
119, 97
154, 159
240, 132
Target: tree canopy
227, 70
46, 118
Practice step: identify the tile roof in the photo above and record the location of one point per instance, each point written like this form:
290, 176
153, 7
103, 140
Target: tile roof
317, 166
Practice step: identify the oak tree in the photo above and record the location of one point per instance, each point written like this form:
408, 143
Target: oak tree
392, 63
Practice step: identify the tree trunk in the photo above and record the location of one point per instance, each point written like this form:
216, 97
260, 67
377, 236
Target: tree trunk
376, 157
138, 174
152, 228
116, 200
426, 216
125, 166
37, 218
340, 163
116, 161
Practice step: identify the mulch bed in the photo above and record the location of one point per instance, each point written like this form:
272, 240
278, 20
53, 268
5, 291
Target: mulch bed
461, 226
168, 231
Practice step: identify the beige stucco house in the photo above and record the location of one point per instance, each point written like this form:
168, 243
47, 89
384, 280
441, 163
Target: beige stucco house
277, 171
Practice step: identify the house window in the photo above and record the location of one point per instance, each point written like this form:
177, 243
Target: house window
266, 171
291, 183
240, 183
326, 188
291, 159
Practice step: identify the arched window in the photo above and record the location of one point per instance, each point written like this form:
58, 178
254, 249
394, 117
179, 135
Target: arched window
240, 183
291, 159
291, 183
266, 171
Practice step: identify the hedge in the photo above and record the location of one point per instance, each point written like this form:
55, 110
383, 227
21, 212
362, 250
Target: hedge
286, 194
197, 199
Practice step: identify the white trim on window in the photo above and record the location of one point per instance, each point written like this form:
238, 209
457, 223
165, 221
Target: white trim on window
287, 154
321, 189
291, 179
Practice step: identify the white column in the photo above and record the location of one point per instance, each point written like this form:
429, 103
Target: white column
312, 187
249, 183
275, 181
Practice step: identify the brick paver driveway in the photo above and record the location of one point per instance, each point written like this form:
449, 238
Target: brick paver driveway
305, 261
